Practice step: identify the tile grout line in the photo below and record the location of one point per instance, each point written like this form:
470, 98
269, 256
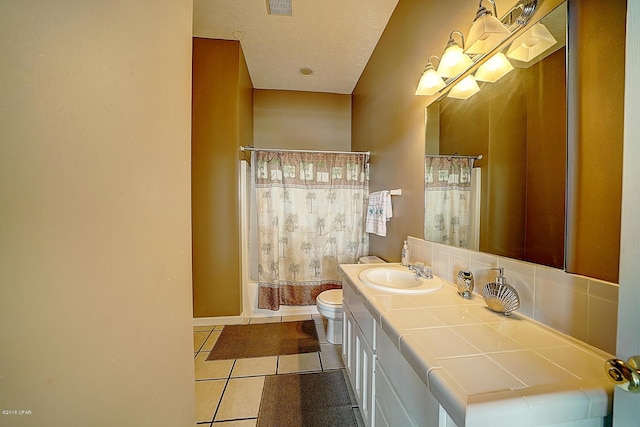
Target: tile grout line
223, 391
323, 369
203, 342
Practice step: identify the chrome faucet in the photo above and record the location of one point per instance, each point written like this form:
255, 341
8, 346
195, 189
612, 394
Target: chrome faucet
421, 270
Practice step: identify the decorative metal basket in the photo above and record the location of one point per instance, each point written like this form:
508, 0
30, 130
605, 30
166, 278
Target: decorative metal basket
501, 298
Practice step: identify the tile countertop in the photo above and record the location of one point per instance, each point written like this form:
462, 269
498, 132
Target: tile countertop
485, 368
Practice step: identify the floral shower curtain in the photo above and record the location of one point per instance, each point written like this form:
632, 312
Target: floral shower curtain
310, 215
447, 186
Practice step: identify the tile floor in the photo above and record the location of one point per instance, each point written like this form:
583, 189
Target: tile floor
228, 392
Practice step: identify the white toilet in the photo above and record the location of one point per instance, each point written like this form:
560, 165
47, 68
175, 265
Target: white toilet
329, 304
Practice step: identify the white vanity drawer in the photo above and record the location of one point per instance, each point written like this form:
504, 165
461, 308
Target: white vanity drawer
363, 318
349, 294
417, 400
389, 409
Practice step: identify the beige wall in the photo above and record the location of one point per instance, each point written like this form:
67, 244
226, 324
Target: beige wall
302, 120
222, 121
388, 119
227, 113
95, 246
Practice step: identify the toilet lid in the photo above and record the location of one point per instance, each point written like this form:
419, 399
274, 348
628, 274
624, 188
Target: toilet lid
333, 297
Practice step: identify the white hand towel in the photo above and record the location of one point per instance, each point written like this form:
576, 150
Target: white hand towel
379, 211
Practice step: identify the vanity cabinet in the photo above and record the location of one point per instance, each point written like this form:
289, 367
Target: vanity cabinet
388, 391
402, 398
438, 360
359, 360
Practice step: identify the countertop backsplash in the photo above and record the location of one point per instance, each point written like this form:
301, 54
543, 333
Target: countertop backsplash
582, 307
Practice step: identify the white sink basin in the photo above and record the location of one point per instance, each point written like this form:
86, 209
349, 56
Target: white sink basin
399, 280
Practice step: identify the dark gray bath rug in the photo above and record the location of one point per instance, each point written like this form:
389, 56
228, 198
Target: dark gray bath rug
265, 339
311, 400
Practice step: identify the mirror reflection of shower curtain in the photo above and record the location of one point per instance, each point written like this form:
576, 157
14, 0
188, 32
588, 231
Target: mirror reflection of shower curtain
448, 202
310, 218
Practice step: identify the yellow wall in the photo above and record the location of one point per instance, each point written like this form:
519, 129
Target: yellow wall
95, 243
222, 121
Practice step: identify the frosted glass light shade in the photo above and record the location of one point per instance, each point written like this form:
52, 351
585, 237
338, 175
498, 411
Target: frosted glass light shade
453, 62
532, 43
465, 89
494, 69
485, 34
430, 82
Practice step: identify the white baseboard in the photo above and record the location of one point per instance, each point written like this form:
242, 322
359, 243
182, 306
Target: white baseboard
222, 320
236, 320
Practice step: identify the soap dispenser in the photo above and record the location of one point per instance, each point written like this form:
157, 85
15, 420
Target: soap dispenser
405, 254
499, 296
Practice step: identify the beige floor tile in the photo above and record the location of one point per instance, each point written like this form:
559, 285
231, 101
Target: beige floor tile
198, 339
298, 363
241, 399
212, 369
322, 336
252, 422
254, 366
331, 357
208, 395
208, 344
274, 319
296, 317
205, 328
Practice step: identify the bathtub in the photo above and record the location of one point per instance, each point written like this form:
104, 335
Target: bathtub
250, 304
249, 255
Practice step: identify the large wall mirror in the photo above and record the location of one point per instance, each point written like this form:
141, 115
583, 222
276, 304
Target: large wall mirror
518, 124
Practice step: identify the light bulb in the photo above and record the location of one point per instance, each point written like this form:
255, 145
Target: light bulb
454, 62
465, 89
494, 69
430, 82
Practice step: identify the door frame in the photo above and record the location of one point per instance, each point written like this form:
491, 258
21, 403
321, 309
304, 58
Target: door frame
626, 406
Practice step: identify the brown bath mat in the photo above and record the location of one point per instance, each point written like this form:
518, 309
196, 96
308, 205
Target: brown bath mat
310, 400
265, 339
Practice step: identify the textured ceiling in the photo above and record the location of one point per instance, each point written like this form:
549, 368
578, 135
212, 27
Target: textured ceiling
334, 38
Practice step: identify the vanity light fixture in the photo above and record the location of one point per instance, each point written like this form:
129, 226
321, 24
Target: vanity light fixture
494, 69
430, 82
454, 60
486, 32
532, 43
465, 89
484, 41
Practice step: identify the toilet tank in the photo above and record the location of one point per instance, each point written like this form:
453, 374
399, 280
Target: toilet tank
371, 259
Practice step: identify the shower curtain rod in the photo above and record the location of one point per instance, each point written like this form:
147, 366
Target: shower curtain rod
478, 157
242, 148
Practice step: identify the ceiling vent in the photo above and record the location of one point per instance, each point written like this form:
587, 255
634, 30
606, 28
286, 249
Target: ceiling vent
280, 7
